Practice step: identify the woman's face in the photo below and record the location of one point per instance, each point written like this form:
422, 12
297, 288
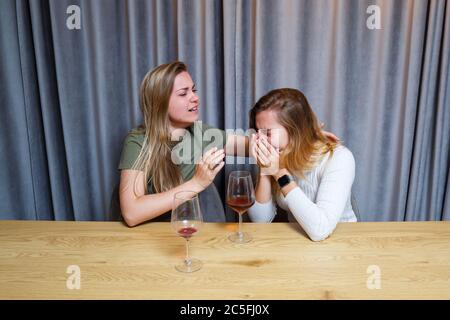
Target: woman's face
276, 133
183, 102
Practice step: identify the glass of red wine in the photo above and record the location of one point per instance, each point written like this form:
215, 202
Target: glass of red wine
240, 197
186, 220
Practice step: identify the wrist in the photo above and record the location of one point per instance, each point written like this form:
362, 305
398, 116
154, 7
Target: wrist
285, 181
263, 175
196, 186
280, 173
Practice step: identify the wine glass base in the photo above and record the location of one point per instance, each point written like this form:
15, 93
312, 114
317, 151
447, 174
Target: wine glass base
243, 237
192, 266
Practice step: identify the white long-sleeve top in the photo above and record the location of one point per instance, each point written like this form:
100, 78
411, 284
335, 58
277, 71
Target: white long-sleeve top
321, 200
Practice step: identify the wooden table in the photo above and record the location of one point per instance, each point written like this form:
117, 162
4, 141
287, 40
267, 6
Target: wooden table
117, 262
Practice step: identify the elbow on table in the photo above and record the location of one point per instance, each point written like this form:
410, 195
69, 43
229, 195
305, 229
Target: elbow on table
130, 222
258, 218
321, 231
318, 237
257, 213
129, 218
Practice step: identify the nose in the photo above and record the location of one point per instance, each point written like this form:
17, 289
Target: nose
194, 97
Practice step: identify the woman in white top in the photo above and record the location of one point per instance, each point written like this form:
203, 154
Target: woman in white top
309, 175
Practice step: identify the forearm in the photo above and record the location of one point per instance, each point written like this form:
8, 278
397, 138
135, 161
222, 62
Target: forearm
290, 186
313, 219
263, 210
317, 221
263, 192
150, 206
320, 217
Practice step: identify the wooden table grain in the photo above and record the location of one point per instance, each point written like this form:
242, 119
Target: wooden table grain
117, 262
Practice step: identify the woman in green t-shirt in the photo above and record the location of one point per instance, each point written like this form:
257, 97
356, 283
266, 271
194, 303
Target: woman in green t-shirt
149, 177
150, 174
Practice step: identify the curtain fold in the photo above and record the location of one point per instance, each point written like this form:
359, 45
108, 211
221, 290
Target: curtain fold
430, 157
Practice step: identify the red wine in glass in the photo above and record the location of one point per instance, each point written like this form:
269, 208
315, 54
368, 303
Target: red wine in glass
240, 204
240, 197
186, 220
187, 232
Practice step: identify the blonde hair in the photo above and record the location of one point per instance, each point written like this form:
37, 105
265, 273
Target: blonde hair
155, 156
307, 144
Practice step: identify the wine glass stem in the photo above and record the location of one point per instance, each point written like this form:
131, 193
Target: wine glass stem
240, 226
187, 260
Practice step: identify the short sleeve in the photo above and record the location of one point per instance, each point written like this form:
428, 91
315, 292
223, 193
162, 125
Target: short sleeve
132, 146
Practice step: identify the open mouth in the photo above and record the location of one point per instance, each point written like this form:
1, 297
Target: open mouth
194, 109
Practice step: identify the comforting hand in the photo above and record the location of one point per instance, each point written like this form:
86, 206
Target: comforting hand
210, 164
267, 157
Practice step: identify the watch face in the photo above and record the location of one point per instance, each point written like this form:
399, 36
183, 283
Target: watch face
284, 180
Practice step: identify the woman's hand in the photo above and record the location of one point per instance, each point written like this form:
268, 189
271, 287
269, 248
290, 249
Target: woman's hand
267, 157
210, 164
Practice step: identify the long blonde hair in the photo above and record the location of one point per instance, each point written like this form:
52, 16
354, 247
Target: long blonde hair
307, 144
155, 156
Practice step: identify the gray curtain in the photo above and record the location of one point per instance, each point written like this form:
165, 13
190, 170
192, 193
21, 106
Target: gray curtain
68, 97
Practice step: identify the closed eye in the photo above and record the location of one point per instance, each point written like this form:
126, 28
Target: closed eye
184, 93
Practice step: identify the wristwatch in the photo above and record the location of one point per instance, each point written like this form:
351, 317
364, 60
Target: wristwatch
284, 180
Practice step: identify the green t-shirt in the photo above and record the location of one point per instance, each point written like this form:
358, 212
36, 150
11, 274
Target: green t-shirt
198, 139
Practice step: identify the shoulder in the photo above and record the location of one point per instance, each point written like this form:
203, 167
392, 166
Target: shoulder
340, 157
135, 136
132, 146
342, 153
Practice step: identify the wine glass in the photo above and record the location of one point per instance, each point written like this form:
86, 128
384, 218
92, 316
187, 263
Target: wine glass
186, 220
240, 197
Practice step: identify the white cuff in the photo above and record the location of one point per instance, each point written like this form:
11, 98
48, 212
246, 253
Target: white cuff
262, 212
